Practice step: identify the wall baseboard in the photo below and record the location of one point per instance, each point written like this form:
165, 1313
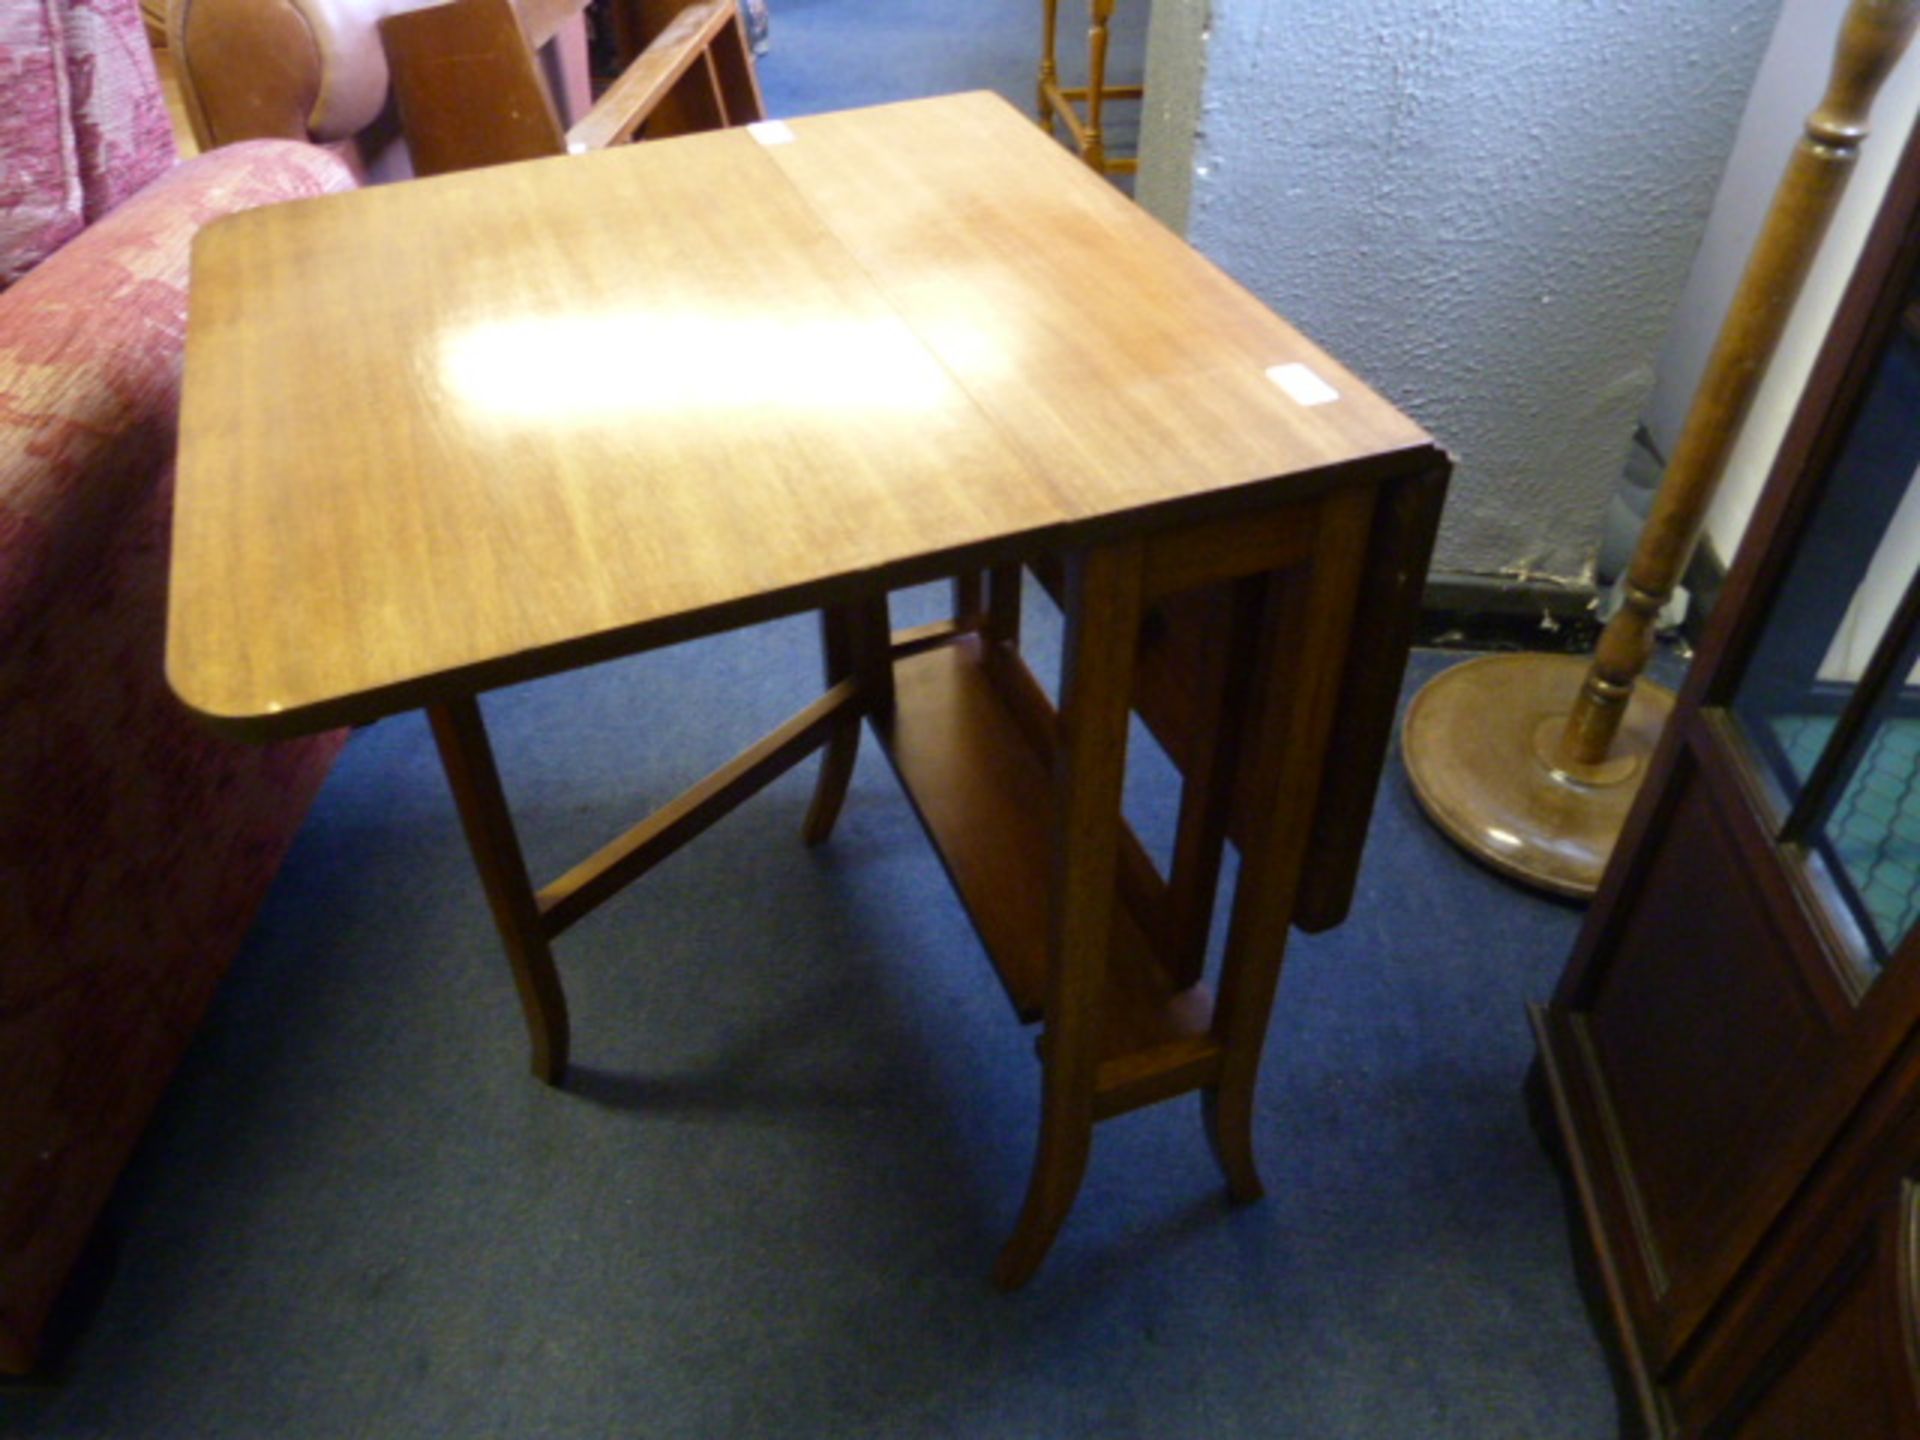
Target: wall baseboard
1462, 611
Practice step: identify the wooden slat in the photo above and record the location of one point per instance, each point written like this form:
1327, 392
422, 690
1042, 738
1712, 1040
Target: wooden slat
646, 84
734, 72
925, 637
1191, 1060
1111, 92
986, 799
1227, 549
597, 878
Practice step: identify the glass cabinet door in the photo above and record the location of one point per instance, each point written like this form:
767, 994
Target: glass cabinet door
1829, 700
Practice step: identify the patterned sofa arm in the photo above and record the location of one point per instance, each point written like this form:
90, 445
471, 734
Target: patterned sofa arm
135, 846
91, 345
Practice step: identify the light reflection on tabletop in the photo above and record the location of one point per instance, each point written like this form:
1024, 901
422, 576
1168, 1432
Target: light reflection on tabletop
598, 368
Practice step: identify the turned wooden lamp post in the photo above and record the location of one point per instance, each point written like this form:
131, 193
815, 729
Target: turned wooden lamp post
1531, 762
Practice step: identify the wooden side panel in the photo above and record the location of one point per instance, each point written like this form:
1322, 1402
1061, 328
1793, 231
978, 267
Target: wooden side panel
691, 106
1404, 525
1847, 1366
468, 89
1702, 1039
1170, 697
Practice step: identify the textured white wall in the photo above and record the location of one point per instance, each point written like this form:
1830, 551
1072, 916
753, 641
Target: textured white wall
1790, 82
1175, 70
1487, 207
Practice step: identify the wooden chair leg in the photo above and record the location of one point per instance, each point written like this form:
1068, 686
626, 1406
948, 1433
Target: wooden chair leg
838, 641
467, 757
1094, 150
1103, 628
1049, 69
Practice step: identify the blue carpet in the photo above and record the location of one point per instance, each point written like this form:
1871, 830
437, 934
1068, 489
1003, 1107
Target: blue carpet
802, 1115
836, 54
798, 1130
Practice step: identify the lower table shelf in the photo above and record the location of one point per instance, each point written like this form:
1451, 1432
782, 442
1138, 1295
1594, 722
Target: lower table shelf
984, 794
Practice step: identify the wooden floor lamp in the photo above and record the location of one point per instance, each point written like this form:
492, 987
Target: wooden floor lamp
1531, 762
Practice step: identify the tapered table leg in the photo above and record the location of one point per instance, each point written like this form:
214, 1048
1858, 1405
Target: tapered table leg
1304, 628
839, 638
1103, 625
467, 757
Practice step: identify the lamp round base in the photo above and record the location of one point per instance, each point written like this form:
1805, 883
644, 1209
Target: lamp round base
1479, 744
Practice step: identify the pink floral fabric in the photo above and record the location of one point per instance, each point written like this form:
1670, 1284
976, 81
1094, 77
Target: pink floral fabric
90, 356
134, 846
82, 121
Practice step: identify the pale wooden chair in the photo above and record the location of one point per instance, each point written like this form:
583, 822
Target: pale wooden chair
1081, 109
470, 91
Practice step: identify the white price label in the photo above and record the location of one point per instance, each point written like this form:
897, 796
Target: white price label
1302, 384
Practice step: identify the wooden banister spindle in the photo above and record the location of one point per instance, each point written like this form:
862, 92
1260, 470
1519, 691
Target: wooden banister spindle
1872, 39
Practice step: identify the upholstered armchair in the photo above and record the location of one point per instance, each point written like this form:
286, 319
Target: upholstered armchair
315, 70
134, 847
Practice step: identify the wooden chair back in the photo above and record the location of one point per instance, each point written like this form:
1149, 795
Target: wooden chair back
470, 93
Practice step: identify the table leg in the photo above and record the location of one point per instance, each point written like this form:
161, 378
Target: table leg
1104, 597
857, 643
1303, 634
838, 640
467, 757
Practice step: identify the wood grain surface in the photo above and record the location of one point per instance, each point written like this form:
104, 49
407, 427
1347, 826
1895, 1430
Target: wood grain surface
466, 431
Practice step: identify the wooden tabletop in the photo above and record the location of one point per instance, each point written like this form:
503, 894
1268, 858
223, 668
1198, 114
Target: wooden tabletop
455, 433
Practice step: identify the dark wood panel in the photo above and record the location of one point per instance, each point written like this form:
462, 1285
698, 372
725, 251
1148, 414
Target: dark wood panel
1703, 1035
1875, 1152
1405, 522
1847, 1366
1179, 644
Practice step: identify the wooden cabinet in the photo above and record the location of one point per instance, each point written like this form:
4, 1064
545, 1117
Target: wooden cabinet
1732, 1057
